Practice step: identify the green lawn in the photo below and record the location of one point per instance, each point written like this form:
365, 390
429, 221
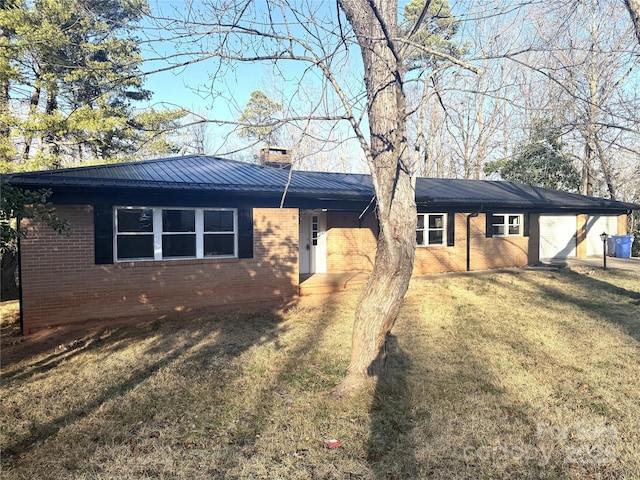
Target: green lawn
527, 374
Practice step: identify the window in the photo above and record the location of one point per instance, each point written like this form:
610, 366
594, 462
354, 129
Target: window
431, 229
156, 234
314, 230
219, 233
506, 224
178, 233
134, 237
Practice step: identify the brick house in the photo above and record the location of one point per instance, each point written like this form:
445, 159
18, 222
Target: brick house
194, 232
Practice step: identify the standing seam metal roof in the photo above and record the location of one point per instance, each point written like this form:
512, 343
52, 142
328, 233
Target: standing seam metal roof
202, 173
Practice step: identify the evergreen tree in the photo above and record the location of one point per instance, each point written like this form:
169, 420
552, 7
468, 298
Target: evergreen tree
539, 162
70, 77
260, 115
436, 32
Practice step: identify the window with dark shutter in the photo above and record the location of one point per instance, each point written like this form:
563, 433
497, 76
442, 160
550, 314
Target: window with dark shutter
451, 229
431, 229
489, 225
153, 233
103, 234
245, 232
505, 225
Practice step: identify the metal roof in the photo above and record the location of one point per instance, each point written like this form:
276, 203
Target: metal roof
196, 173
501, 194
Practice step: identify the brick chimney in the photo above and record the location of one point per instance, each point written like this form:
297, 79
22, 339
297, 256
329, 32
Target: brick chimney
275, 157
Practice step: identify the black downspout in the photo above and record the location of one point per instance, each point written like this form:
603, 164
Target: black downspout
469, 217
18, 221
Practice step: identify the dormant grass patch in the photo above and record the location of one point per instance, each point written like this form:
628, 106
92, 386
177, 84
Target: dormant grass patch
520, 374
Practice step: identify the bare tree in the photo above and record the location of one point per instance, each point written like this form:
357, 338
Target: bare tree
596, 73
353, 56
633, 7
324, 42
582, 67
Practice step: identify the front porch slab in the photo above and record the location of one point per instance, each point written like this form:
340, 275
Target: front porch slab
323, 283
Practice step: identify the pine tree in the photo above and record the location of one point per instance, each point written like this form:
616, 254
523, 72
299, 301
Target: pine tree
260, 115
70, 81
435, 34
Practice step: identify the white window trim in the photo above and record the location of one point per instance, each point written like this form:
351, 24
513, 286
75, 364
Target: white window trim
426, 230
157, 233
506, 224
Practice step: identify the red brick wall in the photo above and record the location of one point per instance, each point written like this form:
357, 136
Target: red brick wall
352, 248
351, 245
485, 253
61, 283
496, 252
437, 259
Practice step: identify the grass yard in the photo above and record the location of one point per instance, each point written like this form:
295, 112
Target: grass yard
527, 374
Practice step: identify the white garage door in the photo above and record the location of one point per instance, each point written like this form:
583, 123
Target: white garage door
596, 225
557, 236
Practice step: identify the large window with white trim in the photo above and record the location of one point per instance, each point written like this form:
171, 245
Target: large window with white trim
145, 233
431, 229
507, 224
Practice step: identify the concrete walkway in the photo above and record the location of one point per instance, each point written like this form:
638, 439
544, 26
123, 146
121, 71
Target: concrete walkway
632, 264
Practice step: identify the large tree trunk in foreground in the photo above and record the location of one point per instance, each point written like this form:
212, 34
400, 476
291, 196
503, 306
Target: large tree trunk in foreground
375, 24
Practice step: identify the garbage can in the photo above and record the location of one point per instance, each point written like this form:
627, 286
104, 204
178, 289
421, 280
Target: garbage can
611, 246
623, 245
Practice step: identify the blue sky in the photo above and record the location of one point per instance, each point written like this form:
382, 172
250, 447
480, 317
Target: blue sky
180, 86
191, 86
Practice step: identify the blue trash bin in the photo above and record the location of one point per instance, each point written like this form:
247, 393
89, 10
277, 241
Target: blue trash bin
623, 245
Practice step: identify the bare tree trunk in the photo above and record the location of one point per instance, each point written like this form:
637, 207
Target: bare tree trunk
9, 262
6, 151
633, 6
421, 151
590, 131
50, 139
33, 109
5, 131
587, 170
375, 25
607, 171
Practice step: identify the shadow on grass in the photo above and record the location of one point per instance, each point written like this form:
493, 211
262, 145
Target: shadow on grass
391, 445
297, 375
69, 346
616, 312
173, 341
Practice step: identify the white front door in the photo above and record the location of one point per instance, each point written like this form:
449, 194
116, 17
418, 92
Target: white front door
313, 241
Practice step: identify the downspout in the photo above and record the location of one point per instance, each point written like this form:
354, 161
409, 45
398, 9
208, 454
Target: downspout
469, 217
20, 307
